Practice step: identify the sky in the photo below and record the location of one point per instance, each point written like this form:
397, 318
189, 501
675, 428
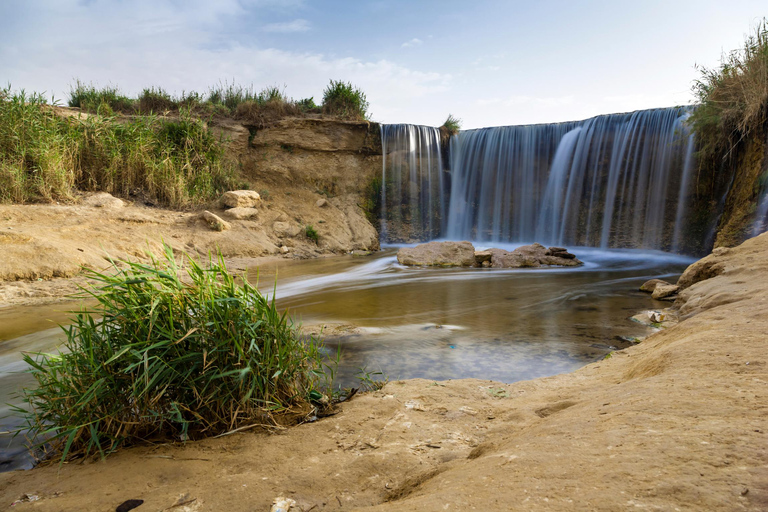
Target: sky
488, 63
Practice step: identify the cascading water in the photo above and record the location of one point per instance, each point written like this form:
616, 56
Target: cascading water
619, 180
413, 184
611, 181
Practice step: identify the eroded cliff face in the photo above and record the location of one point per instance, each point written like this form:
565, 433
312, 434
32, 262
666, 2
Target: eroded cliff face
298, 164
748, 166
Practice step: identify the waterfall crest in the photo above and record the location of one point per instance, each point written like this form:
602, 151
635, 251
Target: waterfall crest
619, 180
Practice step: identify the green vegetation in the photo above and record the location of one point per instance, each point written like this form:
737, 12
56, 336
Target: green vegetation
452, 125
311, 233
106, 100
170, 352
733, 98
344, 100
47, 156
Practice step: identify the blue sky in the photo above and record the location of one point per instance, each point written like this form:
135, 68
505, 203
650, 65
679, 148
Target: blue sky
487, 62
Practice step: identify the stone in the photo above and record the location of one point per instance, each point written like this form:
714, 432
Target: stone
284, 249
531, 256
103, 200
482, 257
285, 229
240, 213
651, 285
321, 203
662, 291
438, 254
214, 221
240, 198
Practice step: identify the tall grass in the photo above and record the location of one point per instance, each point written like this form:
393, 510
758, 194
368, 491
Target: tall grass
106, 100
162, 357
342, 99
733, 97
44, 156
452, 125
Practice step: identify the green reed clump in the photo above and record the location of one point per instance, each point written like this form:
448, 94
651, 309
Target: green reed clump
106, 100
157, 100
342, 99
311, 233
162, 356
452, 125
733, 97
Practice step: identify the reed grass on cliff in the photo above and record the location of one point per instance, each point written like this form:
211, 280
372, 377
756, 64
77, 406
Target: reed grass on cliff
344, 100
162, 357
733, 97
47, 156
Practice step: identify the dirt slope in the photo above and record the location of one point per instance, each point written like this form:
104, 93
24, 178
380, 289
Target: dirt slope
675, 423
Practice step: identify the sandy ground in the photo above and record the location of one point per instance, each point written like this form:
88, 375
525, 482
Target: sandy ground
41, 244
677, 422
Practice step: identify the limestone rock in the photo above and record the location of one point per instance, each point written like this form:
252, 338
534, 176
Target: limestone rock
534, 255
438, 254
103, 200
240, 198
214, 221
240, 213
662, 291
482, 257
285, 229
650, 286
321, 203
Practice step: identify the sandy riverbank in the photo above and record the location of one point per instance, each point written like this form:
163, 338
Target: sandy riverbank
676, 422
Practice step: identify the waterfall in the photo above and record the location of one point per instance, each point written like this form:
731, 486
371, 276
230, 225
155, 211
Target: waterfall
413, 185
619, 180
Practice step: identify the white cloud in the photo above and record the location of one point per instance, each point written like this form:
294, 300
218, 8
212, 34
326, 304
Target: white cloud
413, 42
288, 27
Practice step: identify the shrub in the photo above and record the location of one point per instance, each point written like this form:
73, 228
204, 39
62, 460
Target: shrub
163, 357
156, 100
343, 100
231, 95
307, 105
106, 100
733, 98
452, 125
311, 233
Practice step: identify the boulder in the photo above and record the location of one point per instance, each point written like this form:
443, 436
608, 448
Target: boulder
438, 254
240, 213
215, 222
103, 200
240, 198
285, 229
534, 255
651, 285
662, 291
321, 203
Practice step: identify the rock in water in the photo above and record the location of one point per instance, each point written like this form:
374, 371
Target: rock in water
534, 255
438, 254
650, 286
240, 198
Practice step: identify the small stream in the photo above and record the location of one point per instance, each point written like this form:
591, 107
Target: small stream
496, 324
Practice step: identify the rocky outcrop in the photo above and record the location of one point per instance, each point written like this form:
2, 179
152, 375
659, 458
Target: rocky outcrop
103, 200
438, 254
240, 213
463, 254
665, 291
534, 255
